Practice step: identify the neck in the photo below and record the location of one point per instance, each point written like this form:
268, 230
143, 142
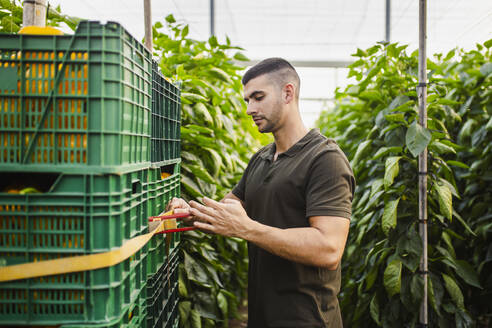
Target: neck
289, 134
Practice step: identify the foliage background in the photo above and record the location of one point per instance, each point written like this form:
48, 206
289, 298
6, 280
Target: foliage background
375, 123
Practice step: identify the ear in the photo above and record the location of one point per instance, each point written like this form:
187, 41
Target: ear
289, 93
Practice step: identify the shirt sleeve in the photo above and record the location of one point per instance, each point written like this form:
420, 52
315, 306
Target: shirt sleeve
238, 189
330, 186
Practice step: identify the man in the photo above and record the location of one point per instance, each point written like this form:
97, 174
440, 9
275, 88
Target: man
292, 205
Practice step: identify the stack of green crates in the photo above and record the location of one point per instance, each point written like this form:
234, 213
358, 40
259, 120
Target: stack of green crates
77, 175
164, 185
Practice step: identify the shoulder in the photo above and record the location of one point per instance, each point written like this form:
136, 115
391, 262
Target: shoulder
327, 149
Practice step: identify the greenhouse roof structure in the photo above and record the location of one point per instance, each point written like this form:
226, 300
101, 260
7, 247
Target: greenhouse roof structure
317, 36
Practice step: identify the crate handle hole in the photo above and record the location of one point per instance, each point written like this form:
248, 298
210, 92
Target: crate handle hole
16, 183
136, 187
168, 170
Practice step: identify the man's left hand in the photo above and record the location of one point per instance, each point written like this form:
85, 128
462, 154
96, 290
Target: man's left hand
228, 218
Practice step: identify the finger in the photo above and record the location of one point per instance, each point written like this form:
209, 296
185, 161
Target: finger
181, 210
169, 204
204, 227
203, 209
212, 203
231, 201
172, 204
202, 216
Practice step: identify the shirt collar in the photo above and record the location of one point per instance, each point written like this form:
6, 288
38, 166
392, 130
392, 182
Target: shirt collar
269, 151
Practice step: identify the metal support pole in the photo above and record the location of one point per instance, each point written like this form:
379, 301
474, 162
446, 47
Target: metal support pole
34, 13
212, 17
422, 97
148, 24
388, 21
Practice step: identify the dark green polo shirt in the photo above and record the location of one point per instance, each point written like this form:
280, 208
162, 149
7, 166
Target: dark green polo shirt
312, 178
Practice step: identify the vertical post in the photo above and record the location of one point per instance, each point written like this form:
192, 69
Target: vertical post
148, 24
34, 13
212, 17
422, 97
388, 21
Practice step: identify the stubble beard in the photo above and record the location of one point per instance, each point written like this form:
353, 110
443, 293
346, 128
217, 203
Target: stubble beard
272, 122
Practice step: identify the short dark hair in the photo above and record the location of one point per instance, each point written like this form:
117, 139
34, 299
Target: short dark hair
286, 72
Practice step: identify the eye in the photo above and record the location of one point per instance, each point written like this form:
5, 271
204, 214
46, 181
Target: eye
259, 98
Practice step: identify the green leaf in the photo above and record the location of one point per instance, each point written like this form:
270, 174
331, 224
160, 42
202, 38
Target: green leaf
489, 124
184, 309
391, 170
222, 302
396, 117
417, 138
417, 288
202, 110
220, 74
386, 150
392, 277
486, 69
454, 291
217, 160
370, 95
213, 41
201, 173
376, 186
435, 293
449, 102
195, 271
192, 98
190, 186
466, 226
468, 273
170, 19
488, 43
441, 148
458, 164
182, 286
389, 215
374, 309
445, 199
196, 320
361, 149
240, 56
466, 129
185, 32
180, 71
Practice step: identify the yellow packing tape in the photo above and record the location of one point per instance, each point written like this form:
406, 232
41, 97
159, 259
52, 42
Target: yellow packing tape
83, 262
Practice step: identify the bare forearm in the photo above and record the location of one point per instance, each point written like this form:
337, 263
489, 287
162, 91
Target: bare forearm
304, 245
321, 244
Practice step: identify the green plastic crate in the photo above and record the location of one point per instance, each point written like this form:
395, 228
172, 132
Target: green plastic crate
163, 293
161, 189
166, 119
133, 316
79, 214
89, 297
75, 103
164, 184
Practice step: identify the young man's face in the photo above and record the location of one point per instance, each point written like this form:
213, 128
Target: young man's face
264, 101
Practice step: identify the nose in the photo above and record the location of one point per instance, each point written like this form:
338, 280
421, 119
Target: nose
251, 109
